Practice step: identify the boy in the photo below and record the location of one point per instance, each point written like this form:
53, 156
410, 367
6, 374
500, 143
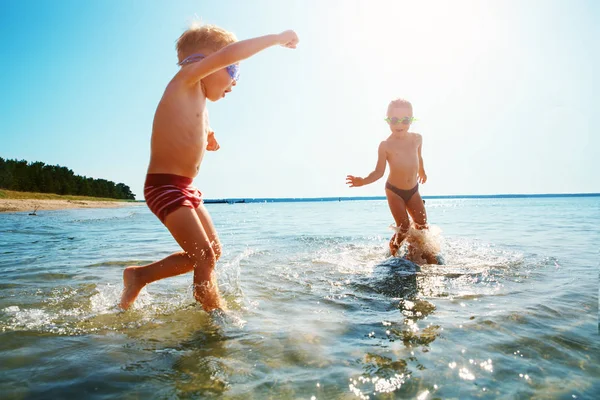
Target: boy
181, 133
402, 151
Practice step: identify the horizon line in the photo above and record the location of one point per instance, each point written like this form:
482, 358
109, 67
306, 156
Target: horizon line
231, 200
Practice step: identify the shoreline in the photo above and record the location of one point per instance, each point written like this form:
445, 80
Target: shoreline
29, 205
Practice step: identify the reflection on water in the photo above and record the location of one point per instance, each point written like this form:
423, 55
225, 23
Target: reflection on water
388, 366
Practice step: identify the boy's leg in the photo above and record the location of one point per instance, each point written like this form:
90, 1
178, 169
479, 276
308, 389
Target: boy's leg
215, 244
135, 277
186, 227
398, 209
198, 255
416, 209
210, 230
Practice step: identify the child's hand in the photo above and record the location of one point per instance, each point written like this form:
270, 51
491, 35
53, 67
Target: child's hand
288, 39
212, 144
422, 178
354, 181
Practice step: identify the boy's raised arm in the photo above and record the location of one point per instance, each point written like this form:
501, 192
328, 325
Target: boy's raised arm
233, 53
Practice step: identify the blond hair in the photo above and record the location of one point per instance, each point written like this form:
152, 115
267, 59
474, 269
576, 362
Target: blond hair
398, 103
204, 38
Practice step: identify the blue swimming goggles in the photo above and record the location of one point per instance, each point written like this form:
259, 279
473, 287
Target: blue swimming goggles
233, 70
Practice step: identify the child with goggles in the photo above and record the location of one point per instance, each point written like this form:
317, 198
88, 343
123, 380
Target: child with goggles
402, 151
209, 58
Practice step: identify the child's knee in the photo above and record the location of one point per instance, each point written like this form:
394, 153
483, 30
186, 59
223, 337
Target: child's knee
204, 255
216, 247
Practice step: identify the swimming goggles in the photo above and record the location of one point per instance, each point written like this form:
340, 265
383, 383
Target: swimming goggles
396, 121
233, 70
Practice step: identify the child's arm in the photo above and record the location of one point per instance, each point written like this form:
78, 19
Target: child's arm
355, 181
422, 178
233, 53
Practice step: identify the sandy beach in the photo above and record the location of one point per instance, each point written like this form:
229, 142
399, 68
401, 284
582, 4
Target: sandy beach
16, 205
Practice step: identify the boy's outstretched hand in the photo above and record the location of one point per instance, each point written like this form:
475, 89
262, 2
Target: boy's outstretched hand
354, 181
288, 39
212, 144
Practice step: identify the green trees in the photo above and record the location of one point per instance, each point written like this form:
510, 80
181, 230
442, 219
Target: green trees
41, 178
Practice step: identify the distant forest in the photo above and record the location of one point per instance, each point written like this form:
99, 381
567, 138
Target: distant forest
38, 177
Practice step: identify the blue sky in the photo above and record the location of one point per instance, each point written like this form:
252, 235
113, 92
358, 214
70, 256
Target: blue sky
503, 90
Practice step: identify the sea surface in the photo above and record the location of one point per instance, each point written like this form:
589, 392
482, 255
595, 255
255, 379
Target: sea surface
316, 309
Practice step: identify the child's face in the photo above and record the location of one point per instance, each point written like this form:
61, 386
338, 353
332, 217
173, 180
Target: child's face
399, 119
218, 84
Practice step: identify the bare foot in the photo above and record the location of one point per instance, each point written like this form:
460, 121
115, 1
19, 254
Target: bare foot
132, 287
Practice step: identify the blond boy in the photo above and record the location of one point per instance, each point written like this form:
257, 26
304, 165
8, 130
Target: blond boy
209, 58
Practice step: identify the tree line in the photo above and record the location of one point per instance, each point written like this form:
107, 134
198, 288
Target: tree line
38, 177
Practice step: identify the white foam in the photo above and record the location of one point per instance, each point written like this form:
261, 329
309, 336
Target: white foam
32, 318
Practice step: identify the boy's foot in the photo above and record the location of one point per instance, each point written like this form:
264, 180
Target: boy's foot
132, 287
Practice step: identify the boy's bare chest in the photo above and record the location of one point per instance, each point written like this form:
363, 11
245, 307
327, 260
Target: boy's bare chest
402, 149
198, 124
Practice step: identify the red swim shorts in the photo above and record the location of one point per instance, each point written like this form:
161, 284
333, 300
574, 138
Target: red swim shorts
165, 193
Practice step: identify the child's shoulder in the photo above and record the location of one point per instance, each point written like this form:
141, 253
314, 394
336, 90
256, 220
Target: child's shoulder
416, 136
178, 91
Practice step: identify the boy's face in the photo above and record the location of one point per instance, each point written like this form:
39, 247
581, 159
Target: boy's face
399, 119
218, 84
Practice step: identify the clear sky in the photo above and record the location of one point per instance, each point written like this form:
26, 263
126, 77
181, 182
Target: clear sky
503, 90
